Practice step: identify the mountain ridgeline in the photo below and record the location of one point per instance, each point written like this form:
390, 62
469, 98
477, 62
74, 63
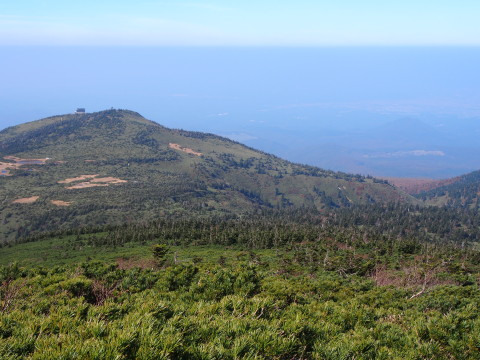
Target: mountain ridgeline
115, 166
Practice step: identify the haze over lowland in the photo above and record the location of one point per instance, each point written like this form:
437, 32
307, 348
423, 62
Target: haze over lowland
410, 112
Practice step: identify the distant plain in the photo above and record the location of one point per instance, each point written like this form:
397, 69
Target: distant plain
384, 111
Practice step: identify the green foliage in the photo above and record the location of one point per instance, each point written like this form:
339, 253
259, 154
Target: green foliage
319, 292
240, 310
11, 272
461, 192
179, 277
435, 224
77, 286
228, 179
160, 252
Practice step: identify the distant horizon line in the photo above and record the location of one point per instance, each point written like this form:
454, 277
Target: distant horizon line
242, 46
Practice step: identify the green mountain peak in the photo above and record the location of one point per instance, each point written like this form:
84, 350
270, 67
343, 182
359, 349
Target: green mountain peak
115, 166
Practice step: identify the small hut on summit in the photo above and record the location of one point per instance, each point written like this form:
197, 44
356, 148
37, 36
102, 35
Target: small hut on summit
80, 111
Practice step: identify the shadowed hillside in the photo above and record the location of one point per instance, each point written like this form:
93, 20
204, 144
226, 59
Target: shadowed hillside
414, 186
464, 192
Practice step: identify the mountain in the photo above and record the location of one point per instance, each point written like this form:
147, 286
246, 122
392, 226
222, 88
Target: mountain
462, 191
115, 166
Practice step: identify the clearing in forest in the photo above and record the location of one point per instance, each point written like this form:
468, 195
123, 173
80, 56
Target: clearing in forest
5, 167
60, 203
84, 185
29, 200
184, 149
93, 181
108, 180
78, 178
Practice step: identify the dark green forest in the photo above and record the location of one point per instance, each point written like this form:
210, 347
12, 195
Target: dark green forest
267, 228
463, 193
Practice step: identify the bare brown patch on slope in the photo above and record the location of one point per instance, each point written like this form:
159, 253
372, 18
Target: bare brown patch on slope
184, 149
108, 180
60, 203
29, 200
126, 264
84, 185
78, 178
5, 167
412, 277
94, 181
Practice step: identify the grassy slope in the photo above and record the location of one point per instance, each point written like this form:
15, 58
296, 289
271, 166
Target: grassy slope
228, 178
59, 251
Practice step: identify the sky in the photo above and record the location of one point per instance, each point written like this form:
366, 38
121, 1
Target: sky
259, 71
240, 23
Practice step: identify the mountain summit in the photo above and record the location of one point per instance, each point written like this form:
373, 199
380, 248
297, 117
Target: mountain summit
116, 166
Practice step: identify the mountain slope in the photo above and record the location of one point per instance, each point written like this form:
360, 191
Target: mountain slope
116, 166
463, 191
415, 186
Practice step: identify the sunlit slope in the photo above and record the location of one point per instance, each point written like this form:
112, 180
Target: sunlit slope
115, 166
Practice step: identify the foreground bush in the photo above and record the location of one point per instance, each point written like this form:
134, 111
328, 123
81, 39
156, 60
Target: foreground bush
236, 311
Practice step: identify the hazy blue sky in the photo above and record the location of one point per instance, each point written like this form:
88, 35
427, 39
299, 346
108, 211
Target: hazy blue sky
260, 22
266, 72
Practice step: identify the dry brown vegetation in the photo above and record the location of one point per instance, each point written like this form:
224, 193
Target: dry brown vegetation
84, 185
29, 200
131, 263
184, 149
78, 178
108, 180
60, 203
419, 276
93, 182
